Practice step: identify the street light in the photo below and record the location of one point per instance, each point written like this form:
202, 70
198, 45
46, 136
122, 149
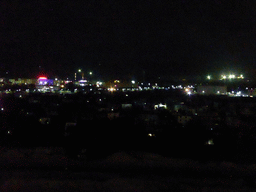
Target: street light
208, 77
231, 76
90, 73
82, 74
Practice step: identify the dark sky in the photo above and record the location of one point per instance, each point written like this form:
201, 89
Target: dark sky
118, 39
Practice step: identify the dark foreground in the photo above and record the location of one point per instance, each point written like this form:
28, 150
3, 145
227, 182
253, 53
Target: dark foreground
48, 169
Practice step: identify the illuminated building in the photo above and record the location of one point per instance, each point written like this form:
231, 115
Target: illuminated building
83, 83
44, 81
20, 81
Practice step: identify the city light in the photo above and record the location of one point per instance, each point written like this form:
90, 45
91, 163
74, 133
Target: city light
111, 89
160, 105
231, 76
98, 83
241, 77
133, 82
208, 77
42, 78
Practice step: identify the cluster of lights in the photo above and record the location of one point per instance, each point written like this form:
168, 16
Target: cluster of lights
111, 89
224, 77
82, 83
160, 105
189, 89
177, 87
98, 83
231, 76
42, 80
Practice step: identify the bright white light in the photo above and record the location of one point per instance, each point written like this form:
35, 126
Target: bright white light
98, 83
224, 77
208, 77
160, 105
203, 91
2, 109
231, 76
210, 142
111, 89
133, 82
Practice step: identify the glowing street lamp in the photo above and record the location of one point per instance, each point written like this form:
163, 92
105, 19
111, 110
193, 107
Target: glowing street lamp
241, 76
90, 73
208, 77
231, 76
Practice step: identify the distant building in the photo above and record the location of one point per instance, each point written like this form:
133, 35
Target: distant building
211, 89
20, 81
44, 81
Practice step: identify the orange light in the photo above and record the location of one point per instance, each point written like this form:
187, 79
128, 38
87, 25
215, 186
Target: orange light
42, 78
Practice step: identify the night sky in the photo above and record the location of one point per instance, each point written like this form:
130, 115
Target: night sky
121, 39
